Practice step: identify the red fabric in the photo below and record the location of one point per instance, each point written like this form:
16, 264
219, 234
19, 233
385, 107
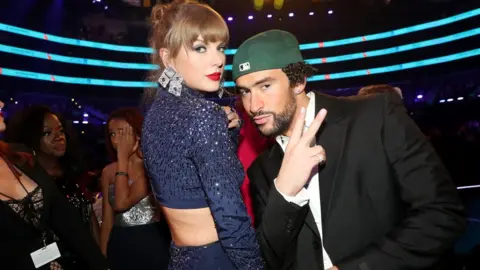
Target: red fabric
251, 144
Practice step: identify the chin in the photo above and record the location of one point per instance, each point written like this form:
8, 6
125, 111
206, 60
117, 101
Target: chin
268, 130
209, 86
264, 130
59, 154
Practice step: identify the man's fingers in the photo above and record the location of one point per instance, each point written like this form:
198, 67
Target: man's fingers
309, 135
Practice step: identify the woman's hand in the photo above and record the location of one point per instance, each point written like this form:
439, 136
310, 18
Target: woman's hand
127, 143
234, 120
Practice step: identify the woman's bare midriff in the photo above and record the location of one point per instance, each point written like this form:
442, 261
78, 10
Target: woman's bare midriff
191, 227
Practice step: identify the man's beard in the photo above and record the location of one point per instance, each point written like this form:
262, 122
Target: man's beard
281, 120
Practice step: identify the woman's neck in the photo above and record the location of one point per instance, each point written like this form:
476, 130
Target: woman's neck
4, 169
50, 163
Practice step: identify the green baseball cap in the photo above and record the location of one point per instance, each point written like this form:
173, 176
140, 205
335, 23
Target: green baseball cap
268, 50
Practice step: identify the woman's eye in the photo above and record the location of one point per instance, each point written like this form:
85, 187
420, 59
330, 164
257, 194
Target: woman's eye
200, 49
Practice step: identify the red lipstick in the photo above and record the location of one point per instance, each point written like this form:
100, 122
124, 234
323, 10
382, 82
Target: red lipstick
215, 76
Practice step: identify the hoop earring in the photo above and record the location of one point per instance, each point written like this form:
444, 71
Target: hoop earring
170, 78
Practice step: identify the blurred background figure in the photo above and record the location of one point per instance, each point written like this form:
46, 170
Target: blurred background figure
133, 234
379, 88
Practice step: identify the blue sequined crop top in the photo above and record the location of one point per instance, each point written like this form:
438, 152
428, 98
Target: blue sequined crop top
192, 163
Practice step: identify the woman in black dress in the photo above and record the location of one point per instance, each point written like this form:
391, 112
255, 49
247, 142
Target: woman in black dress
35, 215
53, 146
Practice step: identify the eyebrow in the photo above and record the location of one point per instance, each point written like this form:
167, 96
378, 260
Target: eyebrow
261, 81
59, 126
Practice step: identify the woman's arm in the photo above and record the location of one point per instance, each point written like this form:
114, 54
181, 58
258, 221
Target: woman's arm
220, 173
107, 212
127, 195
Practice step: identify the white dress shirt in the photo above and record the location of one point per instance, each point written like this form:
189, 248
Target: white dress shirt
311, 194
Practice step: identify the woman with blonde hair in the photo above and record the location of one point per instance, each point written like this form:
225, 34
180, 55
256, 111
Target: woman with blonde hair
189, 154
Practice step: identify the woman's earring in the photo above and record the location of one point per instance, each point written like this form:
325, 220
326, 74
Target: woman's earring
221, 90
171, 79
165, 77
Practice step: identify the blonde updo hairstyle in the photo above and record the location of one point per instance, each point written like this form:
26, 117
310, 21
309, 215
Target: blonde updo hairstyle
178, 24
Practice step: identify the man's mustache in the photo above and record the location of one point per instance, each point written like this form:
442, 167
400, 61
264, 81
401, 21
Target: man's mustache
261, 114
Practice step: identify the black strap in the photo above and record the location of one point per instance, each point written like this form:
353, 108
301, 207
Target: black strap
29, 209
26, 191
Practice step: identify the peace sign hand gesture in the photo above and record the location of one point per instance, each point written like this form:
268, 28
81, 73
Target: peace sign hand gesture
300, 156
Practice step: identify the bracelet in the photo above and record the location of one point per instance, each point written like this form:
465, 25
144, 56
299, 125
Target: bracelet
121, 173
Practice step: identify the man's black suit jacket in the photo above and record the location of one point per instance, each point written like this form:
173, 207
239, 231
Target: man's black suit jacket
387, 201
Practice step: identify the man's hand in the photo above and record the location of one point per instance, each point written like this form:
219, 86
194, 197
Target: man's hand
333, 268
300, 156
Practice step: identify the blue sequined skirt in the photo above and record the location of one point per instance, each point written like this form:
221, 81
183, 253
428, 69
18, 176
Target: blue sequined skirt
207, 257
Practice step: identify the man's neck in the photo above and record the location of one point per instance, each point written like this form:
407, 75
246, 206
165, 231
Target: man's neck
302, 101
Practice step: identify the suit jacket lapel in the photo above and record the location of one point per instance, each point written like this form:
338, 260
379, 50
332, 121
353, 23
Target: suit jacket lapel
271, 167
274, 161
331, 137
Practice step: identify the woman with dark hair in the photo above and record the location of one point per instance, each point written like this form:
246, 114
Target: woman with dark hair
132, 234
54, 147
35, 218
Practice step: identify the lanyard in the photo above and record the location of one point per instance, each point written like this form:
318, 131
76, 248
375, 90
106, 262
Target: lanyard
29, 210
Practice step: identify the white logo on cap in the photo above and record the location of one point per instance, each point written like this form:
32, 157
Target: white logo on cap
244, 66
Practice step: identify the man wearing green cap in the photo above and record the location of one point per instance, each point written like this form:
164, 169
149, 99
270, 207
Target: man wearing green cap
358, 188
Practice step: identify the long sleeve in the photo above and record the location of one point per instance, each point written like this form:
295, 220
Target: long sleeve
434, 218
221, 175
278, 221
69, 227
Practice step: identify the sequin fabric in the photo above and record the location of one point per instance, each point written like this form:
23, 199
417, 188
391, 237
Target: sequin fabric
140, 214
192, 163
76, 197
211, 257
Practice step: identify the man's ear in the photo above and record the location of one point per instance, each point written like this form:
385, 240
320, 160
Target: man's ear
300, 87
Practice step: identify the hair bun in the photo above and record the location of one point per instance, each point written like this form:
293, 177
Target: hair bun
159, 10
181, 2
157, 13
